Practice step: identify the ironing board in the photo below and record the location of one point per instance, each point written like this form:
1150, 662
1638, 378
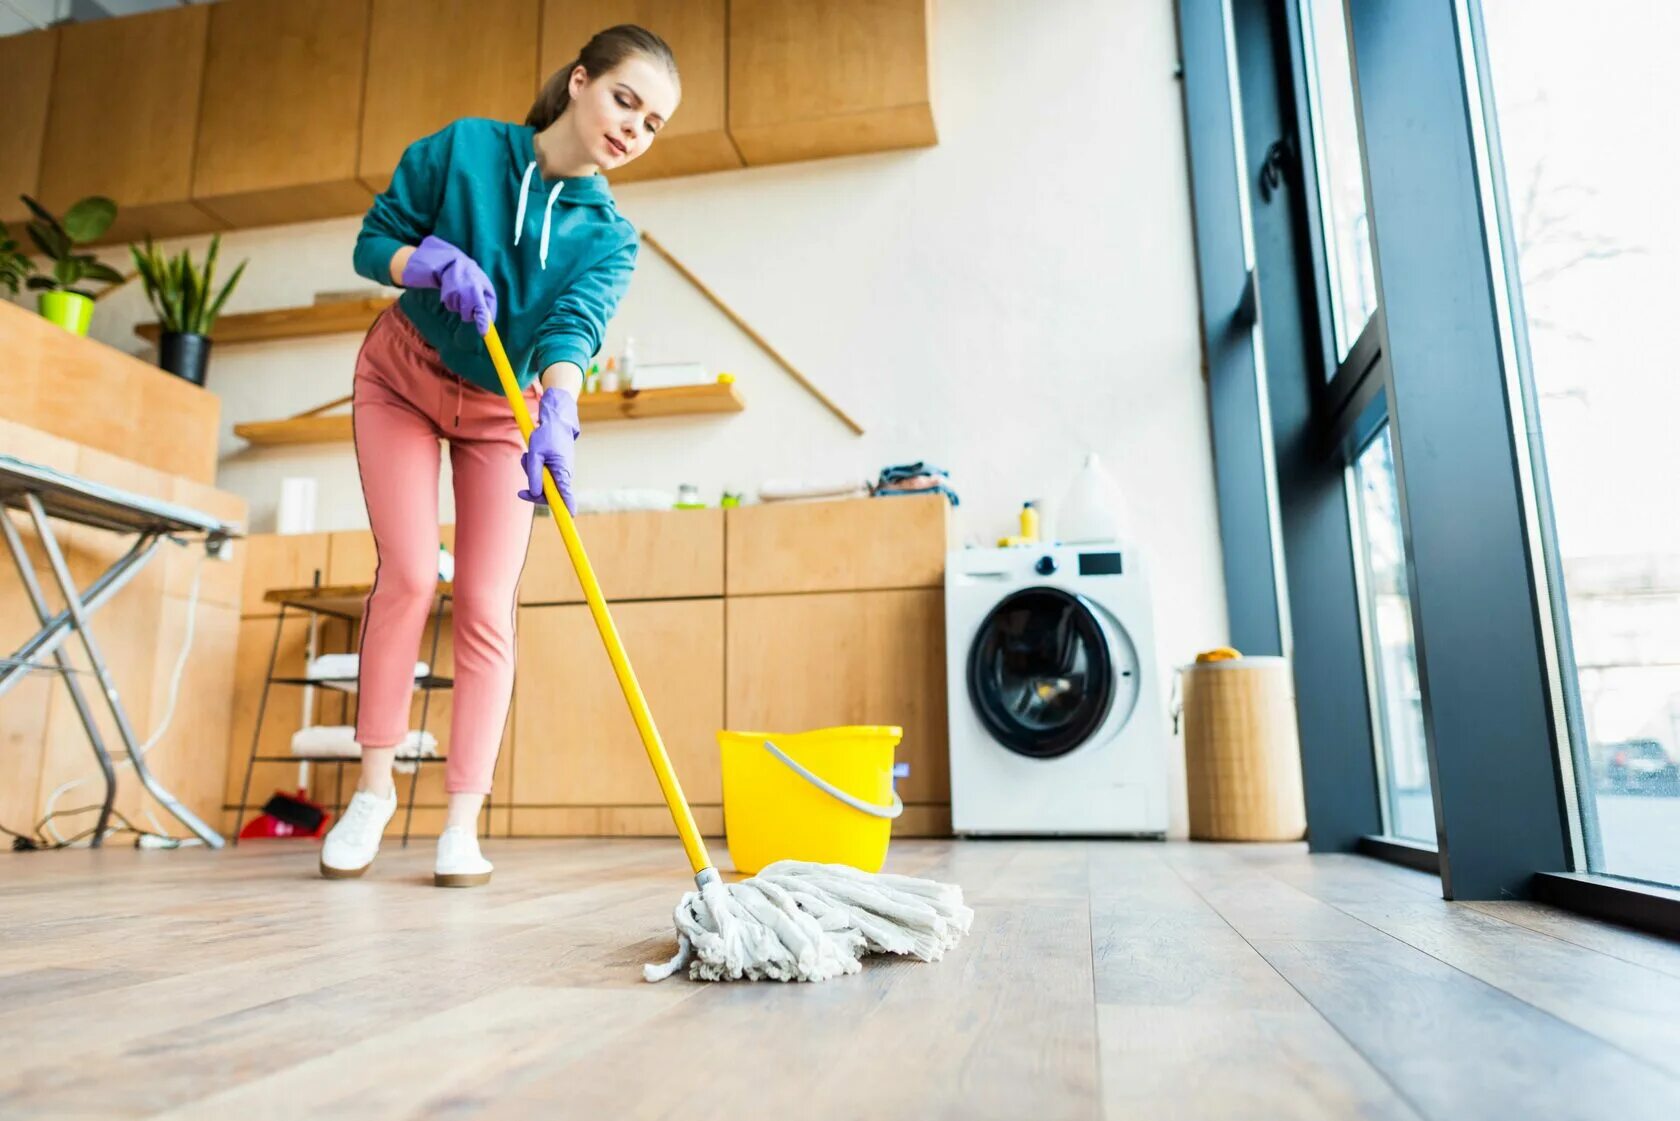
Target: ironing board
45, 493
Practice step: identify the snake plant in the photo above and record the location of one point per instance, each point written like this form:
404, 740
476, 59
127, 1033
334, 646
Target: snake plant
180, 291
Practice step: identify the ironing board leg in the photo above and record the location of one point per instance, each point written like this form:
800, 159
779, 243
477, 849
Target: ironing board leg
73, 604
83, 712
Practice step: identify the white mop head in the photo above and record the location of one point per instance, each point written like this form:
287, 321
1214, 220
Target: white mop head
808, 922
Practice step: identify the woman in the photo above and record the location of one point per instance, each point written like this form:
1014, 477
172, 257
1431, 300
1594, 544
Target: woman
483, 222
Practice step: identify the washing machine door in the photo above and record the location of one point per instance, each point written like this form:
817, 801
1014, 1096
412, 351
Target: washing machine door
1040, 674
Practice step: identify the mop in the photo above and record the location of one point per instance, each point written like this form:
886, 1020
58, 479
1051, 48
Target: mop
794, 921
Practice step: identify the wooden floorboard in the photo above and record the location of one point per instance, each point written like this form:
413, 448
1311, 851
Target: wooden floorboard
1102, 979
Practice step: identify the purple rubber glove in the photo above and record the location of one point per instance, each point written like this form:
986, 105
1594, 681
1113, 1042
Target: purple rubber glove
465, 289
552, 441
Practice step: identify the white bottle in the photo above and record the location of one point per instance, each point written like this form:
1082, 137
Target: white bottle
1092, 509
627, 365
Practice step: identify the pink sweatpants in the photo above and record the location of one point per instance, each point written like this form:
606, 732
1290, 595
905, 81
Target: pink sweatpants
406, 400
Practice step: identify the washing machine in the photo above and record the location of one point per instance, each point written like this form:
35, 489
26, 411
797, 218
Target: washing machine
1057, 722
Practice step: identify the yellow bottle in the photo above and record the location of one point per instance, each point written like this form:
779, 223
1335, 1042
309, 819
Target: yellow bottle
1029, 521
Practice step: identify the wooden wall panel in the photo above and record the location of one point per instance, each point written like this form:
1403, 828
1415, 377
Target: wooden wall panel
134, 84
797, 663
697, 137
280, 124
893, 542
433, 61
812, 80
26, 70
574, 741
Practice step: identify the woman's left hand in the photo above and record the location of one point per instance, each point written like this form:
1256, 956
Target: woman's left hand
552, 443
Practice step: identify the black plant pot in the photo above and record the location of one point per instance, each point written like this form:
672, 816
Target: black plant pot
185, 355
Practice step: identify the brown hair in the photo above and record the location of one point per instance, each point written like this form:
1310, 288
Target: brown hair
603, 52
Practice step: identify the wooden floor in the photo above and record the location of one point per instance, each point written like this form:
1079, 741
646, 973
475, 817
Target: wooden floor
1101, 980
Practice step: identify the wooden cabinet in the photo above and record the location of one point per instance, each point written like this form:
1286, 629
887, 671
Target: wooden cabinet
123, 117
26, 68
636, 554
895, 542
801, 662
433, 61
828, 78
282, 107
49, 376
697, 137
574, 741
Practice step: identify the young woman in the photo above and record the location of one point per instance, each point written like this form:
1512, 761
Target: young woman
483, 222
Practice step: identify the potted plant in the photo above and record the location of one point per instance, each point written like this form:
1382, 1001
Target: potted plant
181, 295
62, 301
15, 265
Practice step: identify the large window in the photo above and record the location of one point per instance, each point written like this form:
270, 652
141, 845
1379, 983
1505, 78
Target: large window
1391, 656
1341, 180
1588, 167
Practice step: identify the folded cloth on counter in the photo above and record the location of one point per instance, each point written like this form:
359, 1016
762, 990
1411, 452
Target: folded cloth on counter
915, 478
624, 498
345, 668
338, 741
787, 490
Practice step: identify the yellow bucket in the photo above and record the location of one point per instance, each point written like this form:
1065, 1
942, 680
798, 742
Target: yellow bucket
825, 796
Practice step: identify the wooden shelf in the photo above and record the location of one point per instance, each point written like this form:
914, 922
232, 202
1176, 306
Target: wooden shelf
332, 318
593, 408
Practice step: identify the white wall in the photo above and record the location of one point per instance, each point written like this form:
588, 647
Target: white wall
999, 305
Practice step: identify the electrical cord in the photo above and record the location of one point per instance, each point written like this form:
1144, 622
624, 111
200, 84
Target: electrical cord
168, 716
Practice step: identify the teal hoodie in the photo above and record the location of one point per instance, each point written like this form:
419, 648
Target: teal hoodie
556, 250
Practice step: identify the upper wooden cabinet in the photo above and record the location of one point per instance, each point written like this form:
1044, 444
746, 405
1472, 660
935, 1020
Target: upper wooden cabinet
434, 61
697, 138
26, 67
814, 78
123, 117
282, 109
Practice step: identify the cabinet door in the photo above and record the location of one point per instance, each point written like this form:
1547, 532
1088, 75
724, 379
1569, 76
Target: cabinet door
431, 62
697, 138
282, 110
800, 662
574, 741
123, 118
851, 545
808, 80
26, 67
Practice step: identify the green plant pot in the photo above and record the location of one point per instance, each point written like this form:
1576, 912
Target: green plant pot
70, 310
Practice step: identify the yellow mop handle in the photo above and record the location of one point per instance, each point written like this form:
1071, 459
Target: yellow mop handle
680, 813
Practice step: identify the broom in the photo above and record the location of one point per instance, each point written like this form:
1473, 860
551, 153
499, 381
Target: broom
794, 921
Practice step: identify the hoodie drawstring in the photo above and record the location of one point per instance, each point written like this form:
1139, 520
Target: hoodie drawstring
548, 211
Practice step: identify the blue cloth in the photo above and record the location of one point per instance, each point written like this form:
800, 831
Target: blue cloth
892, 480
556, 250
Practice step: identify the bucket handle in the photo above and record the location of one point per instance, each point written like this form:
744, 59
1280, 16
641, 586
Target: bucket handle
870, 808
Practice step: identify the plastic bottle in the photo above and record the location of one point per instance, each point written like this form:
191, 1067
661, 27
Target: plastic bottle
1093, 509
592, 379
627, 365
1029, 521
609, 377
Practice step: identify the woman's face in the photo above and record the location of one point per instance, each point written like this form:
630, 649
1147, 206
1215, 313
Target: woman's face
617, 114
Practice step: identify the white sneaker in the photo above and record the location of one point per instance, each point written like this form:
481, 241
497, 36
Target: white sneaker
459, 863
353, 842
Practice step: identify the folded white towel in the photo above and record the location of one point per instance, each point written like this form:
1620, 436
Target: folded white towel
338, 741
622, 498
784, 490
342, 670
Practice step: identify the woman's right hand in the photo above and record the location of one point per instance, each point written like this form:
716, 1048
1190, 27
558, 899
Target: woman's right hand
465, 289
